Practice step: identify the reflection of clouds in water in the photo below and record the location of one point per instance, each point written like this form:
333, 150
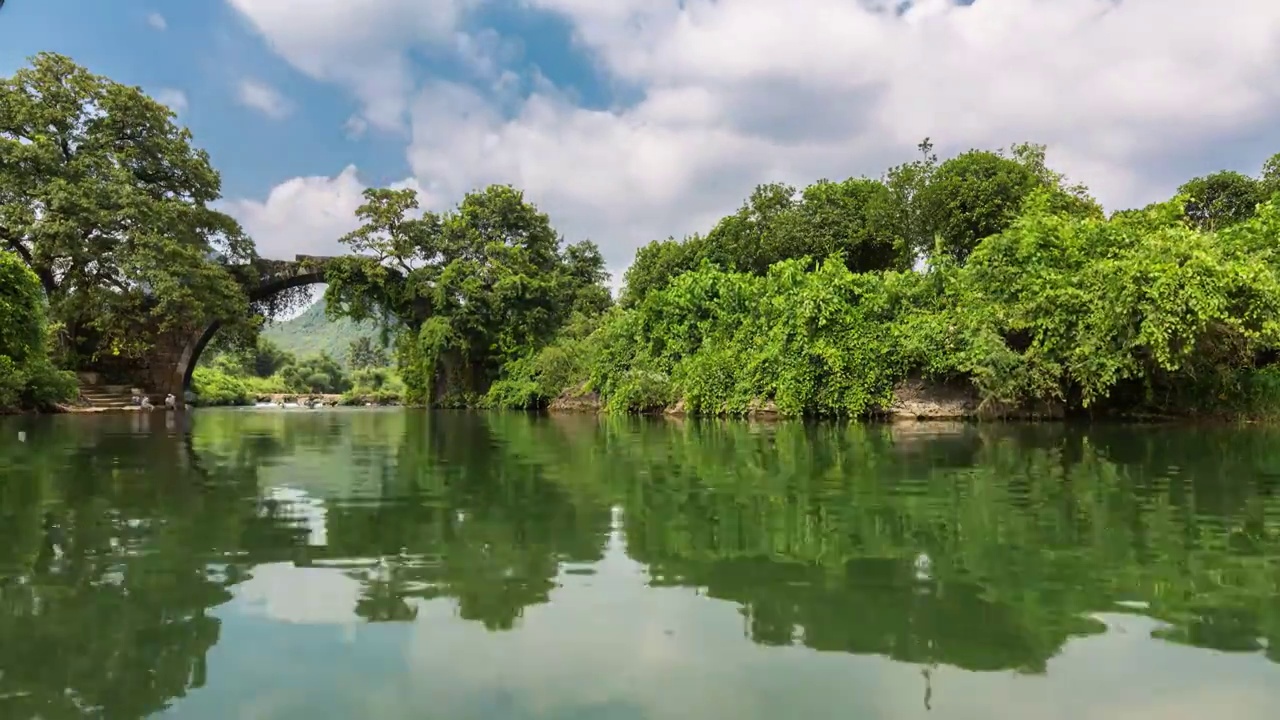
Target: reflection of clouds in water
607, 640
307, 511
609, 647
1128, 675
307, 596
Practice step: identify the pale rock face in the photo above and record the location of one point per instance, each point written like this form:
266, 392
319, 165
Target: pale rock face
917, 399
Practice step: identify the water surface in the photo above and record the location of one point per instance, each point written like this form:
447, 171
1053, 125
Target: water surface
283, 564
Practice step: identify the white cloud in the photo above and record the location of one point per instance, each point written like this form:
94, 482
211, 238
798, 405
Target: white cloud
175, 99
1131, 96
157, 22
303, 215
306, 215
358, 45
263, 98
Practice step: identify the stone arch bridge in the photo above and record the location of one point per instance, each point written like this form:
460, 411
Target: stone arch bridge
169, 367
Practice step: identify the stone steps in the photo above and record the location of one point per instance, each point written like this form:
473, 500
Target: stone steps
107, 397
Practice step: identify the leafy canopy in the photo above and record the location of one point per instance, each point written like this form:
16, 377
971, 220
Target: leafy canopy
472, 289
108, 203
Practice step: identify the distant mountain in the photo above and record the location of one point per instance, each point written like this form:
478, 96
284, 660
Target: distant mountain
311, 333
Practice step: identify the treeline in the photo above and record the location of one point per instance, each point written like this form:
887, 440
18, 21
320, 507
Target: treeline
988, 272
234, 375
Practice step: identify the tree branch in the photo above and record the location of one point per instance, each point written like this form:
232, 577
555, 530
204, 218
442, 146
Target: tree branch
46, 277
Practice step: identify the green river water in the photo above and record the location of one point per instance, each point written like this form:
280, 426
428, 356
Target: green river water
282, 564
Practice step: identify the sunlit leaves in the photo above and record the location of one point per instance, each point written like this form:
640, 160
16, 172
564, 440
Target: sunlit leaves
106, 200
1221, 200
474, 289
27, 377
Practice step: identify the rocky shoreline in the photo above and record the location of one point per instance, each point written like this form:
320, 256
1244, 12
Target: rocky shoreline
913, 400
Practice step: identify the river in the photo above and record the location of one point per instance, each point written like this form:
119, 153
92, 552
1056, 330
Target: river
281, 564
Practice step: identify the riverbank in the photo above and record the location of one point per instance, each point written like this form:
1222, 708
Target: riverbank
274, 399
913, 400
916, 401
312, 399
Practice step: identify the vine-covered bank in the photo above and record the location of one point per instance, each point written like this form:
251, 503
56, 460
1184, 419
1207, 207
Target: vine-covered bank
987, 273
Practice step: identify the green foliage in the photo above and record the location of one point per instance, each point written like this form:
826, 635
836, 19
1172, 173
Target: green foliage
1269, 178
1222, 199
973, 196
28, 379
363, 354
268, 370
106, 200
1029, 295
472, 290
22, 326
856, 220
804, 301
852, 220
814, 342
1072, 309
906, 184
262, 361
376, 385
215, 387
533, 382
317, 374
1137, 313
655, 264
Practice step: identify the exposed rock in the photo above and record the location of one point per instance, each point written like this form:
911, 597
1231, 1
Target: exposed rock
577, 400
759, 409
762, 409
914, 400
917, 399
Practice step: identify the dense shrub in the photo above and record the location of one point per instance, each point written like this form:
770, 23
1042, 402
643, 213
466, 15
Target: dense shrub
28, 379
1089, 311
214, 387
814, 342
533, 381
1140, 313
377, 385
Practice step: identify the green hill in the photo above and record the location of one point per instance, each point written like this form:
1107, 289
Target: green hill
311, 333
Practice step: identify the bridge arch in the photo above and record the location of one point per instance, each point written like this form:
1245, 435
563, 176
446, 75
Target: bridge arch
275, 277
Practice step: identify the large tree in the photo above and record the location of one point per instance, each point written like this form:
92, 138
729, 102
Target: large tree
472, 289
104, 197
1222, 199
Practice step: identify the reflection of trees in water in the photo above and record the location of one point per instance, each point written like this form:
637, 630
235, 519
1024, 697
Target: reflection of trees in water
437, 510
984, 548
109, 569
459, 519
814, 528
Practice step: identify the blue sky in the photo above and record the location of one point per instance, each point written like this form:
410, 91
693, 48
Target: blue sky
632, 120
204, 49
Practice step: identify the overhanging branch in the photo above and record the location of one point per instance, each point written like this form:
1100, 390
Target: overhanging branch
46, 277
